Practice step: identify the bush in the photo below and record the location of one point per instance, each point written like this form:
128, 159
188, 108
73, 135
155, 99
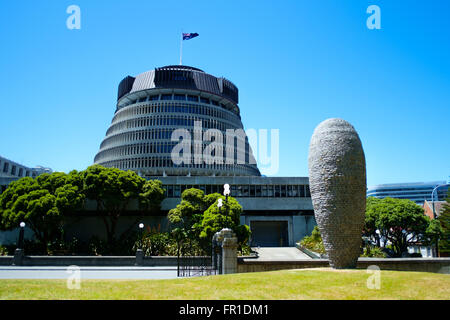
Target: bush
3, 251
373, 252
153, 243
314, 241
415, 255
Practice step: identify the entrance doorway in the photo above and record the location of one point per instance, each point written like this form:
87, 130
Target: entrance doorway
269, 234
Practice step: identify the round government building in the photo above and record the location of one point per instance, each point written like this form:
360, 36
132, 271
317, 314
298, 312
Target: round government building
156, 107
154, 104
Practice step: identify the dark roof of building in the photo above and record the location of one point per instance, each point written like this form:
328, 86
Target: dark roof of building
181, 77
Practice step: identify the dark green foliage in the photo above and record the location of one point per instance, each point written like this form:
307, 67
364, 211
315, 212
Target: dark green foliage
314, 241
44, 202
197, 218
373, 252
444, 219
41, 203
400, 221
113, 190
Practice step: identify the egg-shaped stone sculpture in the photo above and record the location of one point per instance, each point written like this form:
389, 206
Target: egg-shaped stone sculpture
337, 180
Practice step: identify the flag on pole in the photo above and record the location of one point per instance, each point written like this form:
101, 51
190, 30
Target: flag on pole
188, 36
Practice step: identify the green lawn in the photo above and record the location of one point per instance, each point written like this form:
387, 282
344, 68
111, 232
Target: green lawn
286, 284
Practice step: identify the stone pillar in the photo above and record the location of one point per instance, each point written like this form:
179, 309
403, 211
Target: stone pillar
229, 251
139, 257
18, 257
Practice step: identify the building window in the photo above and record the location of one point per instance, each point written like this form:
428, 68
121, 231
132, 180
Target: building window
252, 190
264, 191
170, 191
179, 97
204, 100
270, 191
166, 97
177, 192
142, 99
6, 167
258, 191
20, 172
192, 98
277, 191
308, 193
153, 98
283, 191
245, 191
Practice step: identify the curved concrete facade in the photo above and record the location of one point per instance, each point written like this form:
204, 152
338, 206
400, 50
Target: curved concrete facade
157, 102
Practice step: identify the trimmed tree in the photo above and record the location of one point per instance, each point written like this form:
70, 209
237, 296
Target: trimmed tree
42, 203
113, 190
400, 221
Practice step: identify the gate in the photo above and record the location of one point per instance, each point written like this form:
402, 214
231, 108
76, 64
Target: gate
206, 262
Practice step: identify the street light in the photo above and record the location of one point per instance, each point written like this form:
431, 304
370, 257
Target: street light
432, 196
226, 193
21, 234
141, 227
434, 212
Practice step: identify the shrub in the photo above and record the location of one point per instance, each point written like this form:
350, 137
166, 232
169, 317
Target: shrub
314, 241
415, 255
373, 252
3, 251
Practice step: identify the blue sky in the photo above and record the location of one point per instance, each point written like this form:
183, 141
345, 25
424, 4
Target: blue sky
296, 63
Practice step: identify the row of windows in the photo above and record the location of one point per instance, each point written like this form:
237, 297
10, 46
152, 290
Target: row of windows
166, 147
168, 121
176, 97
176, 108
151, 134
18, 173
412, 194
244, 191
166, 162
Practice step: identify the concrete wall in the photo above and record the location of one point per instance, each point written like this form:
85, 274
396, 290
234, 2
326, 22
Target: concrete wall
439, 265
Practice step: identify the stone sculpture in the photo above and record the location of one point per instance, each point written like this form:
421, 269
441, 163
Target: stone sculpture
337, 179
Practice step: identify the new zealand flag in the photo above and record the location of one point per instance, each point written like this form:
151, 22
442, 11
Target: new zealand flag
188, 36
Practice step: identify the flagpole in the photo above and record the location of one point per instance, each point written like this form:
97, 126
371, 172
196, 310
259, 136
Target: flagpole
181, 49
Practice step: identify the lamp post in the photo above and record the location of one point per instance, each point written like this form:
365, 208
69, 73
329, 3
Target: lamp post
139, 252
18, 253
434, 212
226, 193
141, 227
21, 235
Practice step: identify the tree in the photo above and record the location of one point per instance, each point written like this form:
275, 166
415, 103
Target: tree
152, 195
198, 218
186, 216
370, 226
444, 219
400, 221
228, 216
113, 190
42, 203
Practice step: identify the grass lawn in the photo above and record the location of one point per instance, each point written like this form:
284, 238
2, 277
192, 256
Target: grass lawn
287, 284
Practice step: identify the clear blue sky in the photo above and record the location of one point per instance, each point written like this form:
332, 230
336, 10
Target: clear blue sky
296, 63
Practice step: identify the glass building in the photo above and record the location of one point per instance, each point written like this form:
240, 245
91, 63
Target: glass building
415, 191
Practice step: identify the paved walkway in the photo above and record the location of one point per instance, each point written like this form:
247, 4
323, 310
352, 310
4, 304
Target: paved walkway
16, 272
280, 253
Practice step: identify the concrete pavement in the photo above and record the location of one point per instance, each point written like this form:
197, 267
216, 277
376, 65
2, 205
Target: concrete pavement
280, 253
17, 272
